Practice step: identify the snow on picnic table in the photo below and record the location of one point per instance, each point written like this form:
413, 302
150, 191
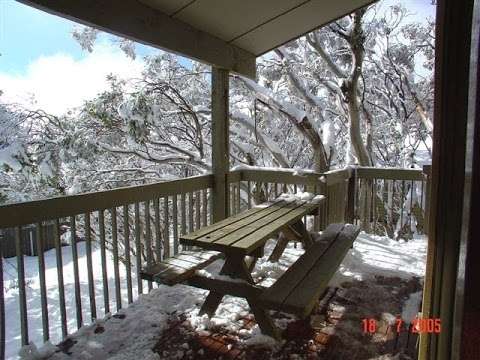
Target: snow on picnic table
133, 331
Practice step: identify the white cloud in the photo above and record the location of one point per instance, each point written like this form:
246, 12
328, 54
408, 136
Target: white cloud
59, 82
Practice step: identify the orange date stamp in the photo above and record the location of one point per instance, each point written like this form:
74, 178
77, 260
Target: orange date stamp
417, 325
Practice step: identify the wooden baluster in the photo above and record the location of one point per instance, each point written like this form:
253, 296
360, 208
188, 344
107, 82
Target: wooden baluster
91, 282
158, 236
249, 194
101, 226
197, 210
175, 224
166, 233
148, 238
401, 204
412, 189
76, 272
43, 286
238, 198
61, 286
204, 207
231, 199
22, 298
128, 265
190, 212
138, 249
183, 210
210, 206
116, 270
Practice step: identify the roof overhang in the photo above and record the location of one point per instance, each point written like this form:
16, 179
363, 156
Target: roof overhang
228, 34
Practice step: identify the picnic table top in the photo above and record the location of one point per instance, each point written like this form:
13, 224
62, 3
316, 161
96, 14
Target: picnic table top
245, 232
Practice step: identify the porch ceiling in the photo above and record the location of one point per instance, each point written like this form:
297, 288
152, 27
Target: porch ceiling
253, 25
229, 34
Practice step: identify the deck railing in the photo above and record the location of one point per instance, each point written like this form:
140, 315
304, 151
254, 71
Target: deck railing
130, 226
112, 234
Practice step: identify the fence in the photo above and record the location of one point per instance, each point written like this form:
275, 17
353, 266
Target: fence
139, 225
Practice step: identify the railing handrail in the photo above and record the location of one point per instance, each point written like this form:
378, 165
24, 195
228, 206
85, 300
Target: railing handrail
365, 172
30, 212
35, 211
290, 176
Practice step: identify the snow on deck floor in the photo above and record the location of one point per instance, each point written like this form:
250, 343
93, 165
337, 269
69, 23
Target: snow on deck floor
147, 317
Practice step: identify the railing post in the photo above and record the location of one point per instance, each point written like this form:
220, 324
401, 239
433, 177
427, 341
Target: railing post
427, 171
351, 188
220, 142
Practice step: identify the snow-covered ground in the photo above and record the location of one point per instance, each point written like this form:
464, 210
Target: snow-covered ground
13, 340
147, 317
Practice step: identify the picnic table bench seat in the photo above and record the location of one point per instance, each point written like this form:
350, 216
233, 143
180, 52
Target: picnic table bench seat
179, 268
298, 289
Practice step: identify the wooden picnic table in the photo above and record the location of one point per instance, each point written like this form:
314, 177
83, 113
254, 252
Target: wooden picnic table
241, 239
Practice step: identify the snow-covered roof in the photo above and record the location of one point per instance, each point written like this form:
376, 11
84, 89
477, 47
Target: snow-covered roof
226, 33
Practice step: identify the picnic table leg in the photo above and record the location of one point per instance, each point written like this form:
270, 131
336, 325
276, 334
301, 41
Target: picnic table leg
235, 267
294, 232
264, 321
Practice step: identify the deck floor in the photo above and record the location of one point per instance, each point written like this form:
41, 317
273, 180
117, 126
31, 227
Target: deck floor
334, 331
375, 281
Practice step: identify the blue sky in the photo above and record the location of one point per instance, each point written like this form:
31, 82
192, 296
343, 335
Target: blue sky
40, 58
39, 34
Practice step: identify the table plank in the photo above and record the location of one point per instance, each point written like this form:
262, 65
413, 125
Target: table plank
234, 236
238, 225
228, 221
295, 273
249, 242
221, 231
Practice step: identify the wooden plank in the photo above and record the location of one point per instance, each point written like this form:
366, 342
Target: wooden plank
138, 22
76, 272
389, 173
302, 299
280, 176
337, 176
91, 281
138, 248
197, 210
61, 286
204, 207
43, 285
299, 287
128, 269
22, 298
279, 291
180, 267
263, 223
55, 208
230, 220
116, 270
220, 142
166, 232
103, 256
158, 237
175, 224
221, 231
249, 242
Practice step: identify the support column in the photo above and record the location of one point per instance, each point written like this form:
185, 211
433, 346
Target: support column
220, 142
